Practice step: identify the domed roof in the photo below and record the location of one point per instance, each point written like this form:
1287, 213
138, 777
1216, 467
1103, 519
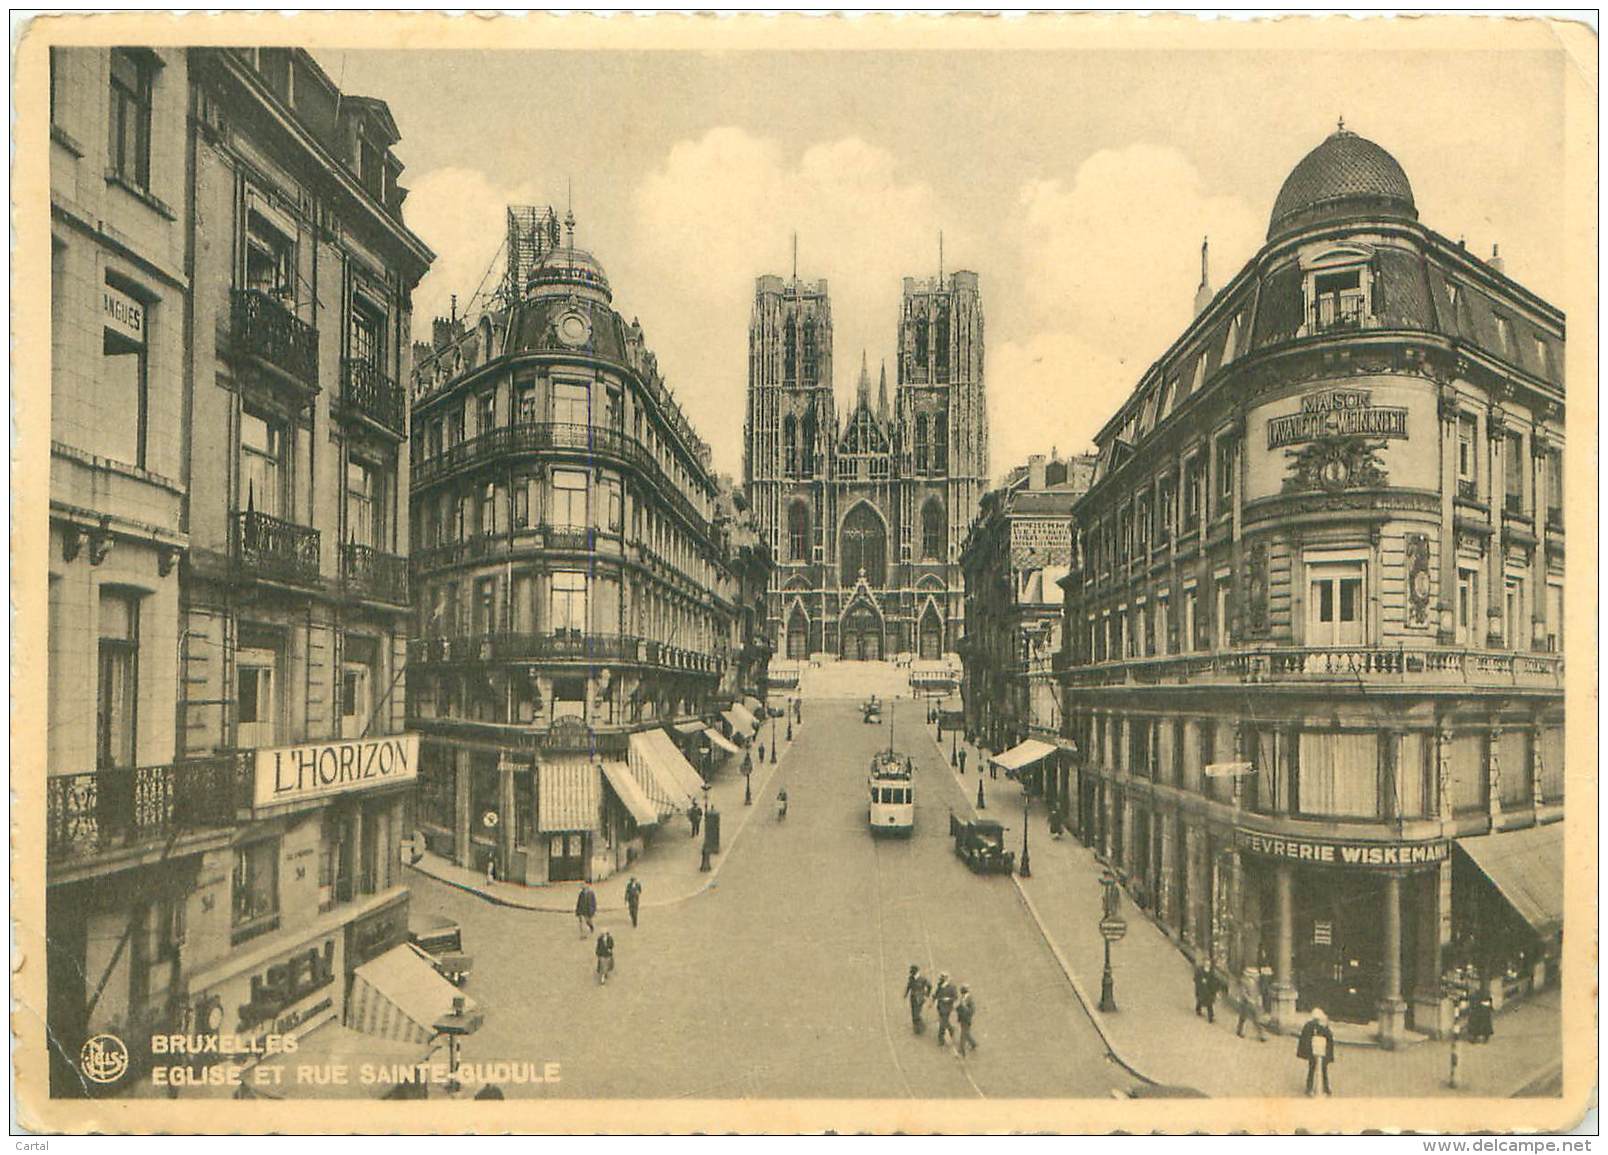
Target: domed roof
1345, 176
566, 269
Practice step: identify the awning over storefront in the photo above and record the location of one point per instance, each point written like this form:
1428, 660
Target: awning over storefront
690, 728
741, 719
666, 776
401, 996
630, 794
1023, 754
1526, 866
569, 794
754, 707
723, 742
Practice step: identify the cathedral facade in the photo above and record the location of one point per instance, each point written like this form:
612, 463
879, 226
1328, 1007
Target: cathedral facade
866, 511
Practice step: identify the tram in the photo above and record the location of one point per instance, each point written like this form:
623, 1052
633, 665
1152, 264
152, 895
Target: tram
893, 794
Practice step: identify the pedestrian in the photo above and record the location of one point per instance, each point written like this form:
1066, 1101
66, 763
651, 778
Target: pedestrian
1480, 1026
918, 989
1250, 995
585, 909
761, 758
491, 871
633, 898
963, 759
605, 957
695, 816
1316, 1046
943, 998
1206, 988
993, 769
965, 1010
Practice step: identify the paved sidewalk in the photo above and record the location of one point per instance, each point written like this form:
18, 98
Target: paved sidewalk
1155, 1032
668, 866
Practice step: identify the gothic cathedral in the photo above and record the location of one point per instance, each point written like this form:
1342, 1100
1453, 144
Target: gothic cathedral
865, 513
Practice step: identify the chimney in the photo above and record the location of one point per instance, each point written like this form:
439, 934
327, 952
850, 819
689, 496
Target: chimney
1496, 258
1203, 292
1035, 471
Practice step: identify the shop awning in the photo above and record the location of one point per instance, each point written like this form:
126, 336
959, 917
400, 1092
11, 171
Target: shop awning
1023, 754
667, 776
1526, 866
630, 794
401, 996
741, 719
569, 794
690, 728
754, 707
723, 742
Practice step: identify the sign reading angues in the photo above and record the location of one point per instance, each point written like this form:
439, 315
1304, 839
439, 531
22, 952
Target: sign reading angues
318, 769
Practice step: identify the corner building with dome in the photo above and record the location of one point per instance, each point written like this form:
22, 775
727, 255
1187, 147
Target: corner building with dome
1314, 625
865, 513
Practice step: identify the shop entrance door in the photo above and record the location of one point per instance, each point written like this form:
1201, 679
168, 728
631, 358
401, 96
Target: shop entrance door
1339, 944
566, 857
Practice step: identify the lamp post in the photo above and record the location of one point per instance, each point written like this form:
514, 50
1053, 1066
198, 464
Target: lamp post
954, 755
773, 741
1026, 867
982, 804
1112, 928
454, 1025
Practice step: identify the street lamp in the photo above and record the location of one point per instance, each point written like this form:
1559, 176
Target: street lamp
1026, 867
954, 755
1112, 928
773, 740
455, 1024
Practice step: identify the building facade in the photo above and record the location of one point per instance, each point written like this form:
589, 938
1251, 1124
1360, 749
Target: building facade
575, 579
865, 514
1013, 560
1314, 630
230, 300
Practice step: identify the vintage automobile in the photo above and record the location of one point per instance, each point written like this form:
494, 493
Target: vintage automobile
872, 710
442, 939
980, 843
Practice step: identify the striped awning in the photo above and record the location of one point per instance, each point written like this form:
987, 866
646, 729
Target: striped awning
664, 774
747, 720
754, 707
690, 728
1526, 867
625, 788
1023, 754
569, 795
723, 742
400, 995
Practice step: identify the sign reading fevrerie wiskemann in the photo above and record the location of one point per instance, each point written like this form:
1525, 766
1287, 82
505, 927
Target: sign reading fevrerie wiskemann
1333, 852
293, 773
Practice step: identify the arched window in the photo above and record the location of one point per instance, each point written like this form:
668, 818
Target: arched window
933, 530
808, 456
789, 350
921, 443
790, 445
798, 532
864, 546
940, 443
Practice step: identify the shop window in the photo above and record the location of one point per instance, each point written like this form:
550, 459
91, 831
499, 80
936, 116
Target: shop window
1551, 755
567, 608
1335, 607
1338, 775
117, 689
263, 466
569, 499
335, 858
255, 890
123, 394
1468, 772
129, 117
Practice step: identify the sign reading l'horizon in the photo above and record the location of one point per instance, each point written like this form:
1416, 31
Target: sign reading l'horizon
318, 769
1337, 413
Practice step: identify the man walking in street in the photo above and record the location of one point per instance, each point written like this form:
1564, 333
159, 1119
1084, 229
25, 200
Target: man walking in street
605, 957
918, 989
1316, 1046
1250, 995
633, 898
1206, 992
585, 909
963, 759
695, 816
965, 1009
944, 999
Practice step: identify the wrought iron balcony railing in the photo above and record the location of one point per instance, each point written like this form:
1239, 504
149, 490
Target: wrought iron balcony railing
274, 548
559, 646
1372, 665
262, 327
369, 392
87, 815
372, 573
1467, 489
1554, 519
1513, 503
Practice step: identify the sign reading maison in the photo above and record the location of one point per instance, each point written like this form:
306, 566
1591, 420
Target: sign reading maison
1337, 413
295, 773
1327, 852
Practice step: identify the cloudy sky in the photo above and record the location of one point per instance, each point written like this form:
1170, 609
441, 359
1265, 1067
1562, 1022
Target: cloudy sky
1078, 184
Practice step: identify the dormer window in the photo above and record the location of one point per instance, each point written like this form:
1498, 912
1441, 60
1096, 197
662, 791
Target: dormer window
1338, 289
1504, 336
371, 167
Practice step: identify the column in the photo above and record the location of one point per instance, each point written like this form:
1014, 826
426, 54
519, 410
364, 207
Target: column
1433, 928
462, 851
1191, 755
1392, 1007
1166, 894
1537, 764
1130, 847
1496, 432
1447, 406
1108, 802
505, 816
1539, 499
1284, 1014
1493, 775
1284, 785
1191, 930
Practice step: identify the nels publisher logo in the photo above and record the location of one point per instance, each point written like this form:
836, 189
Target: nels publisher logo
103, 1059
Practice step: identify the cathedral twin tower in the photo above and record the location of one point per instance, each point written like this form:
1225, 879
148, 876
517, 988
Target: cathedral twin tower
866, 515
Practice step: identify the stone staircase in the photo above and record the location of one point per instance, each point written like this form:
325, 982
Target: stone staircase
827, 678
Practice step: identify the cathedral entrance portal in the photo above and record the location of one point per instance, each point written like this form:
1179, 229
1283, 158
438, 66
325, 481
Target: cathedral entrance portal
932, 635
860, 636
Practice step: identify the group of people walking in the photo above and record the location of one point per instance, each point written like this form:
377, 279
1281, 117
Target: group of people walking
585, 922
949, 1001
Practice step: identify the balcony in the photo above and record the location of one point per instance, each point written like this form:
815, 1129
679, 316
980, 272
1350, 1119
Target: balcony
374, 575
88, 815
371, 395
262, 328
1554, 519
269, 547
1331, 314
562, 646
1406, 667
1513, 504
1467, 489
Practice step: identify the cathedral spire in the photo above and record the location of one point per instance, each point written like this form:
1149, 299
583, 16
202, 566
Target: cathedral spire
863, 389
882, 395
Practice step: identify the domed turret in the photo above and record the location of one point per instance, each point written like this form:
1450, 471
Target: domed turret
1346, 176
